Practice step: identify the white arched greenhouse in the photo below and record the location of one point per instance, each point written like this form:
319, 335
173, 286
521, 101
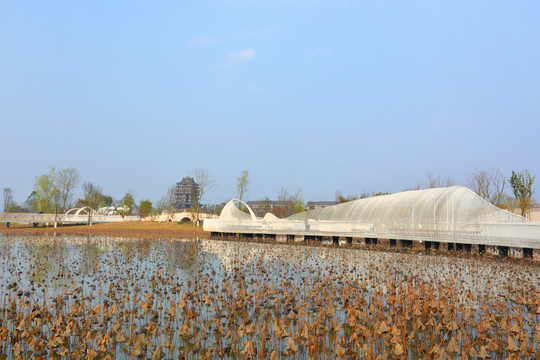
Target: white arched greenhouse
443, 215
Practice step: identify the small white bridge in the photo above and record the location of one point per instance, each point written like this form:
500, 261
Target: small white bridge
35, 219
84, 216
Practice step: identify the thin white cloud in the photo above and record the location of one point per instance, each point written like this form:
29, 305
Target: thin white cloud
318, 52
205, 41
241, 56
255, 33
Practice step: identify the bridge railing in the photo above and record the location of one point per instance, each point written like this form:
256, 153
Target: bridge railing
524, 235
63, 218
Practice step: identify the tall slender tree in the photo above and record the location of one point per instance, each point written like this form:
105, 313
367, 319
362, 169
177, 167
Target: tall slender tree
522, 186
206, 184
8, 199
242, 183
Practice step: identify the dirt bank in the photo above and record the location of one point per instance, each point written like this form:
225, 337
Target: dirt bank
126, 229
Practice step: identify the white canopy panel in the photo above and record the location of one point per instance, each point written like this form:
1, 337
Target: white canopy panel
453, 214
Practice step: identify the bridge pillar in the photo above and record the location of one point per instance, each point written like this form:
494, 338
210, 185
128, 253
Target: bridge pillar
503, 250
282, 238
406, 243
299, 238
515, 253
492, 250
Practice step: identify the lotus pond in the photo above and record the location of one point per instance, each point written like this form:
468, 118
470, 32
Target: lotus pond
112, 298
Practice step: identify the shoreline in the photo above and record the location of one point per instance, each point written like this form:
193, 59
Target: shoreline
174, 230
141, 229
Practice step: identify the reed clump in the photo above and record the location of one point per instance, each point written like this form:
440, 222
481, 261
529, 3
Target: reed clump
108, 298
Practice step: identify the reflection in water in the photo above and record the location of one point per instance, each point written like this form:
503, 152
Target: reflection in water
99, 296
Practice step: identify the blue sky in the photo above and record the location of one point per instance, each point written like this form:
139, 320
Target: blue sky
323, 95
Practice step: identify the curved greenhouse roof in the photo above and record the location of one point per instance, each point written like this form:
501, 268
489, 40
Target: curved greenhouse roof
453, 214
456, 204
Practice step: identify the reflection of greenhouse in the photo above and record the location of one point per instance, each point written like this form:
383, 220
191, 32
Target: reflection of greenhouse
453, 215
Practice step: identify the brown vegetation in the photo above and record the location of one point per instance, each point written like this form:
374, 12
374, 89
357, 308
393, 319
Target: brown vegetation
170, 230
107, 298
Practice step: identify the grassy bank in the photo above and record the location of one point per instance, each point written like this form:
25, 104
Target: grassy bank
123, 229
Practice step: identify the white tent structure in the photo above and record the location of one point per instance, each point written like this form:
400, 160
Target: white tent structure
453, 215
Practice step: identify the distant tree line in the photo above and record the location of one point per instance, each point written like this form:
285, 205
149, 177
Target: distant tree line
54, 192
489, 184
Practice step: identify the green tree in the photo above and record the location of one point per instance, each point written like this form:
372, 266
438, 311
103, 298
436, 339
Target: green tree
31, 202
522, 186
54, 190
46, 193
242, 183
128, 203
145, 208
340, 198
106, 200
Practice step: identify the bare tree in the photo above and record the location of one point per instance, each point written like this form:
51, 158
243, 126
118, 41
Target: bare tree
340, 198
489, 184
66, 181
242, 184
294, 202
205, 182
8, 199
435, 181
167, 204
93, 195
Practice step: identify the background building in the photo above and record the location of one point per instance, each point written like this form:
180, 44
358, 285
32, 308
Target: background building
187, 194
312, 205
278, 208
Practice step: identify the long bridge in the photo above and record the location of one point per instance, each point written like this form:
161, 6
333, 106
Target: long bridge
32, 218
454, 216
88, 216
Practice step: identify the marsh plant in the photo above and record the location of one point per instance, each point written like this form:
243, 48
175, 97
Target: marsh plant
108, 298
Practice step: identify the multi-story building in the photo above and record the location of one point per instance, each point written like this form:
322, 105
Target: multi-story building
187, 194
